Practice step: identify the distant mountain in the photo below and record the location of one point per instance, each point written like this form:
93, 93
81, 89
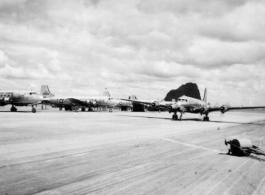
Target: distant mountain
189, 89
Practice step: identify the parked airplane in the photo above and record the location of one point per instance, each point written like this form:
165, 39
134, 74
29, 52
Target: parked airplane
123, 105
192, 105
19, 98
69, 102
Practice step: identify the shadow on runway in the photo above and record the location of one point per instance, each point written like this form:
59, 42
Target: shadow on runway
17, 111
198, 120
147, 117
254, 157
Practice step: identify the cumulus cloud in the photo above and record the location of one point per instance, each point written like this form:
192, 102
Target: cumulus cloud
134, 46
3, 58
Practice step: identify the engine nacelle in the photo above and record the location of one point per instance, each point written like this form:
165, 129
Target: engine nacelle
173, 107
223, 109
5, 100
154, 104
204, 110
91, 102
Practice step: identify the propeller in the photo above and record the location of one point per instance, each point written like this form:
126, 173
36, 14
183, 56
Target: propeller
205, 108
223, 109
154, 104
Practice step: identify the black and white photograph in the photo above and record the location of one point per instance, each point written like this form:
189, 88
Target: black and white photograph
132, 97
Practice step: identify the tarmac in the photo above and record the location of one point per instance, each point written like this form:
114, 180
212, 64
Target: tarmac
63, 152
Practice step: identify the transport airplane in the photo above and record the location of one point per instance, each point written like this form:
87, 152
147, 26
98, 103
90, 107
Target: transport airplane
191, 105
68, 102
19, 98
123, 105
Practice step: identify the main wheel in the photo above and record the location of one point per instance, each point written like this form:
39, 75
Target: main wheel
175, 117
33, 110
13, 109
206, 118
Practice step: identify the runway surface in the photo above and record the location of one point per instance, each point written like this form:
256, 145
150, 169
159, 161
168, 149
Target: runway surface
58, 152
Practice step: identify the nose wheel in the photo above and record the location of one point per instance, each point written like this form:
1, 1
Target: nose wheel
13, 109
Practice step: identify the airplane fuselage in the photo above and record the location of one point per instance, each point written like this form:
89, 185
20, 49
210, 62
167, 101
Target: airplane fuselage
86, 101
19, 98
188, 104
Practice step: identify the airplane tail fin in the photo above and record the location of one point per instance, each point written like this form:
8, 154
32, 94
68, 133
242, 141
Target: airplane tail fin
132, 97
106, 93
45, 92
205, 95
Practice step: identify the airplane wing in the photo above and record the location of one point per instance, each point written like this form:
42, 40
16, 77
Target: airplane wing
224, 108
152, 103
77, 102
139, 102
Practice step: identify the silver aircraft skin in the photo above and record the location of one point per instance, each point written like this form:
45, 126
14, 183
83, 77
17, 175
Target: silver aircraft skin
187, 104
122, 103
71, 101
154, 103
20, 98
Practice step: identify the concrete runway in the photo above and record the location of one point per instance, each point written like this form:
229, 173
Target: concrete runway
58, 152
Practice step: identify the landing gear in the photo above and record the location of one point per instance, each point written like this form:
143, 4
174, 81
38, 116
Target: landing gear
206, 118
110, 110
60, 108
68, 108
75, 108
33, 110
174, 116
83, 109
13, 109
180, 117
90, 109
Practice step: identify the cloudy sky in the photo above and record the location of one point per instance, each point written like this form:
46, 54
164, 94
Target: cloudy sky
141, 47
